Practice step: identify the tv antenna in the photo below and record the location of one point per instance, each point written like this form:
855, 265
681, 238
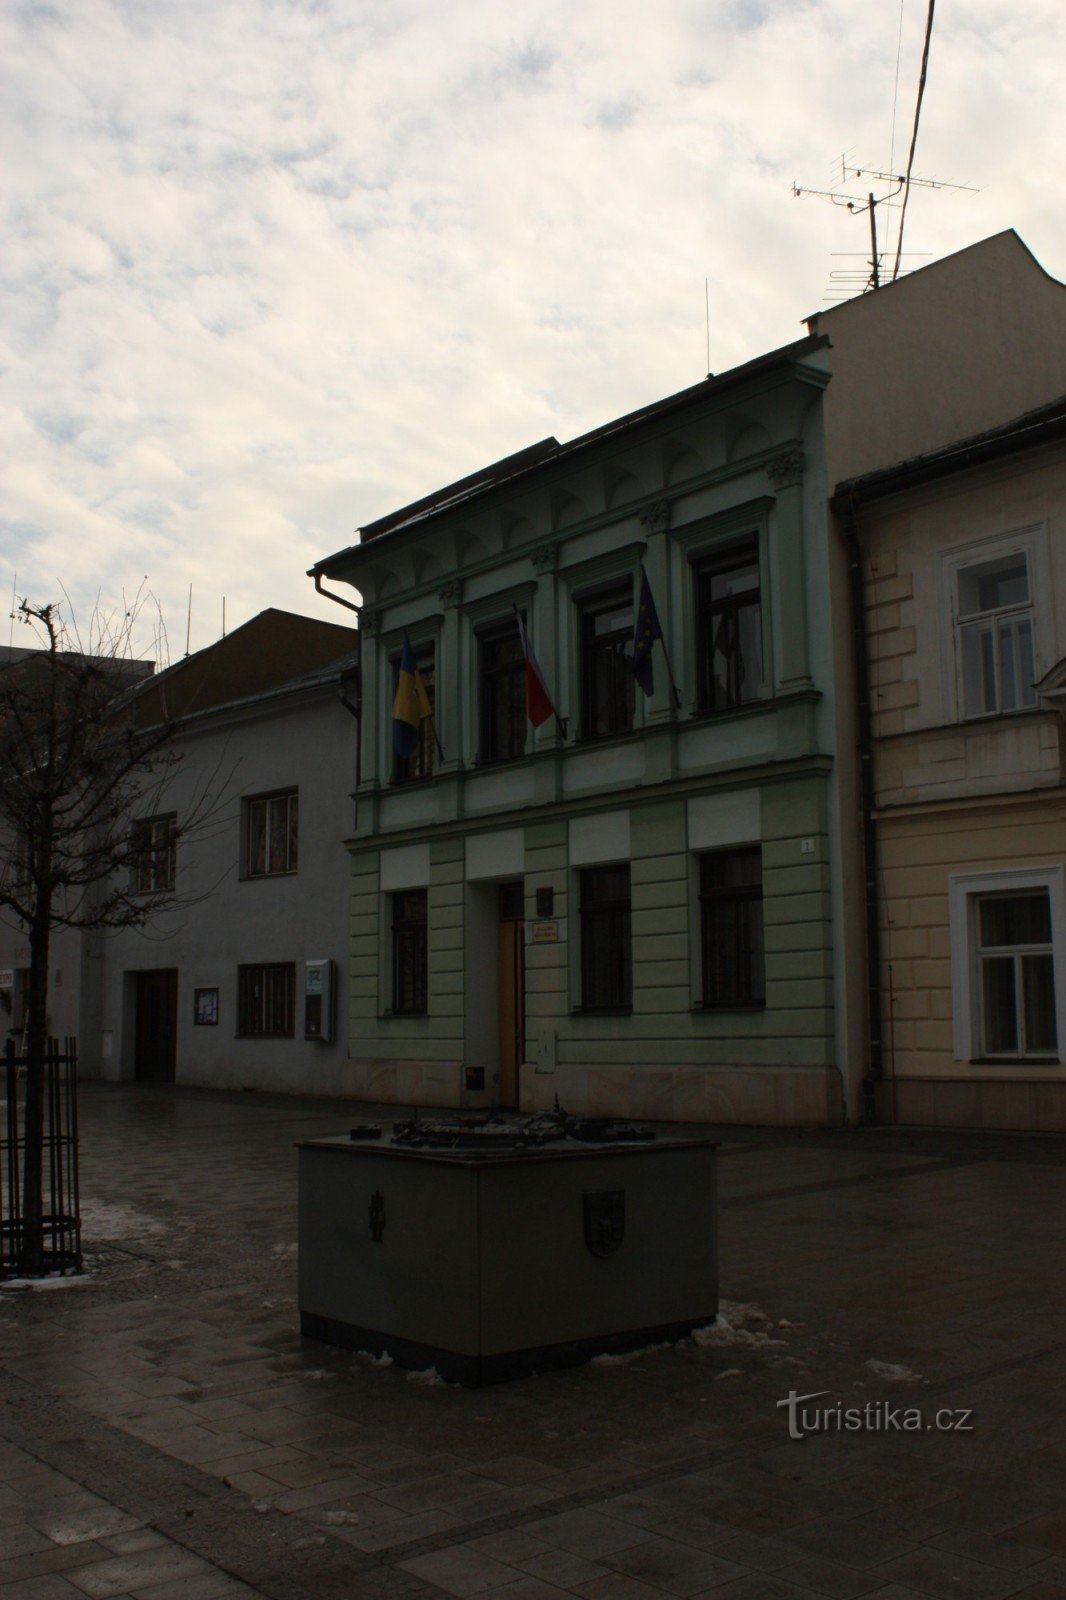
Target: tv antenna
898, 182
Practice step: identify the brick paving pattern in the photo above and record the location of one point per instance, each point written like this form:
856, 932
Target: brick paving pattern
165, 1434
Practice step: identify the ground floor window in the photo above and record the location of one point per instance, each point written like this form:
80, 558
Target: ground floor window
410, 952
1016, 974
266, 1000
606, 951
732, 947
1008, 964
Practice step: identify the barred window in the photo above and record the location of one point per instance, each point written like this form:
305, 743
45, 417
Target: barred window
410, 964
266, 1000
731, 925
606, 954
154, 854
271, 834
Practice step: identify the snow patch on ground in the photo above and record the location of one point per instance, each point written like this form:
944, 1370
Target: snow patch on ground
73, 1280
116, 1221
383, 1360
737, 1325
429, 1376
894, 1371
624, 1357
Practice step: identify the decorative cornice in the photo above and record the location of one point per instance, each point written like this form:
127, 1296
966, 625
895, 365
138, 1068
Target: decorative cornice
786, 471
656, 517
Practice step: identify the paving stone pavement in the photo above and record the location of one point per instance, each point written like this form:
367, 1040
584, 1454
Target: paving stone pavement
165, 1433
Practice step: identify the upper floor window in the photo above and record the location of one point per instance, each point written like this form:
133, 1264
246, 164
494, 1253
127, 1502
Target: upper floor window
608, 687
422, 759
502, 681
729, 666
995, 635
731, 928
271, 834
410, 952
606, 952
154, 854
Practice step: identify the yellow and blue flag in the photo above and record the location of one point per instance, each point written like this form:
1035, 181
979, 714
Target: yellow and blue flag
411, 704
647, 630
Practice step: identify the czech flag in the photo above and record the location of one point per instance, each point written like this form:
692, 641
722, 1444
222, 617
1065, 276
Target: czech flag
647, 630
410, 705
538, 701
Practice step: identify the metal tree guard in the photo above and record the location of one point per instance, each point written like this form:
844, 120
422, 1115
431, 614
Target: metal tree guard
61, 1207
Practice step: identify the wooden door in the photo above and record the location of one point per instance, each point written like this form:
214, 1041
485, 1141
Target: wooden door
156, 1026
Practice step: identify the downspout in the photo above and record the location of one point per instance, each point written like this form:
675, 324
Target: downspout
844, 506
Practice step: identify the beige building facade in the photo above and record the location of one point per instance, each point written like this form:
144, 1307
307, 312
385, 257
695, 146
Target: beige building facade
963, 558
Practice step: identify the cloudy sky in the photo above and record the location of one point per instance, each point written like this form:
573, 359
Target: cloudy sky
273, 267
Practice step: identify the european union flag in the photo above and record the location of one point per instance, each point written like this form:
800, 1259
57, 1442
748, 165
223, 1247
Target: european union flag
647, 630
410, 705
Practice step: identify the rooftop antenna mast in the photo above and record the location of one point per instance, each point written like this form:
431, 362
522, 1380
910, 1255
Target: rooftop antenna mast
858, 207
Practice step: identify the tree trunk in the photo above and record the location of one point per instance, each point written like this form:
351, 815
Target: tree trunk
31, 1256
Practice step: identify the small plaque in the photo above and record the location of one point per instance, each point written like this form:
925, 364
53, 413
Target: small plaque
546, 932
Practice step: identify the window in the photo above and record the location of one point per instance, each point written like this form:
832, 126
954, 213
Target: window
266, 1001
606, 957
271, 829
729, 666
422, 760
154, 853
1016, 978
410, 952
995, 636
608, 687
731, 928
502, 677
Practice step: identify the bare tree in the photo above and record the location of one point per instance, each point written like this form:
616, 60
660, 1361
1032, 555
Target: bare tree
83, 755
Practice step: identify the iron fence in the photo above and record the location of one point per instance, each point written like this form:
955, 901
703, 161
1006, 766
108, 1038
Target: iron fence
60, 1203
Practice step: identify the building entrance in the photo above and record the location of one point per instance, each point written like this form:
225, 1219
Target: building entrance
156, 1025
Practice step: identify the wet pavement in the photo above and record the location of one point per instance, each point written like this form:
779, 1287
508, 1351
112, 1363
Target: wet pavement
165, 1433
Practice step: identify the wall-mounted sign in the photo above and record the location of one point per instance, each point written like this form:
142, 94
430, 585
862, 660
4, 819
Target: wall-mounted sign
7, 978
547, 931
205, 1008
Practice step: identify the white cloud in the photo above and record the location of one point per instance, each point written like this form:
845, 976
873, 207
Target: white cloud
275, 268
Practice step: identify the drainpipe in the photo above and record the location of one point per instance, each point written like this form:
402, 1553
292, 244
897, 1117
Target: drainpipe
844, 506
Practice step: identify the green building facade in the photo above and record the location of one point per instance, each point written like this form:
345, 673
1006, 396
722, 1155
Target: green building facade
637, 906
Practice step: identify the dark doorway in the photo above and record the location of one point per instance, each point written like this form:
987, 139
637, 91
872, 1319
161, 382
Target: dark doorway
156, 1025
512, 991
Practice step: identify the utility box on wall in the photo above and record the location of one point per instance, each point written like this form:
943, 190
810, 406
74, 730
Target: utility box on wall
318, 1001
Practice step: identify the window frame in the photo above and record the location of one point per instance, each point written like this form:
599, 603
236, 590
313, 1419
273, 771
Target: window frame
414, 928
267, 971
291, 834
614, 595
739, 550
1030, 542
741, 897
965, 893
603, 925
490, 746
147, 851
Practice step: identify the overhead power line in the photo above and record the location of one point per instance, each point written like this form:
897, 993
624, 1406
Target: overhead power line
914, 136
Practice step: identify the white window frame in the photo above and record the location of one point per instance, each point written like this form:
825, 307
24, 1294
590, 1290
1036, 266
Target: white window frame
1031, 542
964, 891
